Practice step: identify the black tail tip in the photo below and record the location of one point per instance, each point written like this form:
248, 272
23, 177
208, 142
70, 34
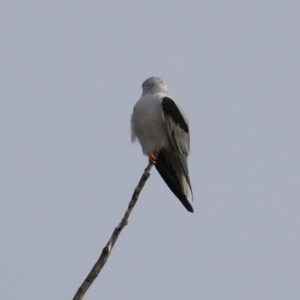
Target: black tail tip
190, 209
187, 205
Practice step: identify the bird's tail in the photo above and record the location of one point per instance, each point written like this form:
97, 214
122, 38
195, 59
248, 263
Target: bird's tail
169, 176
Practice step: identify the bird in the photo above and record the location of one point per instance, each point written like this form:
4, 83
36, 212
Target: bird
162, 129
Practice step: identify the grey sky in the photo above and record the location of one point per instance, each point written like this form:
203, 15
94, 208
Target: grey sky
70, 75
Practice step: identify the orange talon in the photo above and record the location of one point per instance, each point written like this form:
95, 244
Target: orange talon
152, 159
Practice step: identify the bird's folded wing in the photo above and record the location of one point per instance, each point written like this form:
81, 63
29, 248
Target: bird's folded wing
178, 130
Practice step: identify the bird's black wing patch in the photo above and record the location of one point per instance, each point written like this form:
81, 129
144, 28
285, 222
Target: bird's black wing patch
170, 109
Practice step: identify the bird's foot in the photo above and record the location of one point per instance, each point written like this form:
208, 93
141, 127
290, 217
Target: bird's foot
152, 158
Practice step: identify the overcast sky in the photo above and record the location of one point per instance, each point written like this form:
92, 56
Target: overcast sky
71, 72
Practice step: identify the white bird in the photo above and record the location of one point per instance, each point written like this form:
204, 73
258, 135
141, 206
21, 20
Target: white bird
162, 129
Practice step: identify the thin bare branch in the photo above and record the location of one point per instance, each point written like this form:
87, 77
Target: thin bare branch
108, 248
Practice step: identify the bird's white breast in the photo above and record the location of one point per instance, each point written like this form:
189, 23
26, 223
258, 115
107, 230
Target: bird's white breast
147, 124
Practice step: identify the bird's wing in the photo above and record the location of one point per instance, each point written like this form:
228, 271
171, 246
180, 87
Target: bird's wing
178, 129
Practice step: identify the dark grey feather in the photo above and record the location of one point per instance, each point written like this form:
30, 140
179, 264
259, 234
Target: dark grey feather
169, 176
